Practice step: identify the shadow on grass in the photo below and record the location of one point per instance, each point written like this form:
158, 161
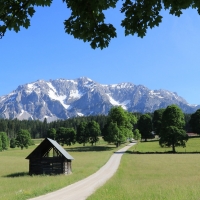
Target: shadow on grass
18, 174
90, 148
165, 152
120, 152
129, 152
149, 141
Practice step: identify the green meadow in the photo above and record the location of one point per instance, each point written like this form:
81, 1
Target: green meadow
192, 146
155, 176
16, 184
139, 177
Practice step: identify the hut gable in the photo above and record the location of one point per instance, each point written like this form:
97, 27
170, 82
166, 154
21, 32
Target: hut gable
41, 162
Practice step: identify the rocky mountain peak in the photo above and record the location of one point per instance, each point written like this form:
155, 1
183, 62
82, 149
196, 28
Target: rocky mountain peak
62, 98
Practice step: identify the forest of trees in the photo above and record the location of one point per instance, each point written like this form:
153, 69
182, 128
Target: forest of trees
116, 127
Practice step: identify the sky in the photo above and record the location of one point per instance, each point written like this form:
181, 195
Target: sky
168, 57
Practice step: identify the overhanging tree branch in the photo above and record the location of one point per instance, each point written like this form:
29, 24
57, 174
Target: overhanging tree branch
87, 20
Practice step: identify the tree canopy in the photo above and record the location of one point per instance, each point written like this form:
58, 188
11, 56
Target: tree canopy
195, 122
145, 126
82, 135
23, 139
51, 133
119, 126
12, 143
93, 131
4, 139
4, 143
157, 120
172, 132
66, 136
87, 20
136, 134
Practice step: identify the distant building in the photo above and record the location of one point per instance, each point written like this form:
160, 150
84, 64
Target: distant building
41, 162
192, 134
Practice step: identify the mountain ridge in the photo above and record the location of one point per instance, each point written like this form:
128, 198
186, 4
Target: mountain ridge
65, 98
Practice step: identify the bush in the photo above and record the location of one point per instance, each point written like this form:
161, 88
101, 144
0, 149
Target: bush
12, 143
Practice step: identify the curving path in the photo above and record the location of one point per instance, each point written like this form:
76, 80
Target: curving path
84, 188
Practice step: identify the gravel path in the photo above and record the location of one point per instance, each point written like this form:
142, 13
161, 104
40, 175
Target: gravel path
84, 188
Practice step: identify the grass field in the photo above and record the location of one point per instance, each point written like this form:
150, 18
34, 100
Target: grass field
16, 184
139, 177
193, 145
155, 176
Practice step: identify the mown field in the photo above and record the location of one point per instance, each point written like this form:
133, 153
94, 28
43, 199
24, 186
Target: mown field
193, 145
16, 184
155, 176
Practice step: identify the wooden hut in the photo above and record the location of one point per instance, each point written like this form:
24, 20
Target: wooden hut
42, 162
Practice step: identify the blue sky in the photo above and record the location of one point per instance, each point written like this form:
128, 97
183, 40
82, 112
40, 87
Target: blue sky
167, 58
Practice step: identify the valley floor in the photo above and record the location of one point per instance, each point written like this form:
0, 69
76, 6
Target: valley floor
84, 188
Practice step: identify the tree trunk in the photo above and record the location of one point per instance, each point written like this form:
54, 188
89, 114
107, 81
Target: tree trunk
173, 148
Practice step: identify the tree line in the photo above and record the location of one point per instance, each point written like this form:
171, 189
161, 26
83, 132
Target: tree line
117, 127
171, 125
38, 129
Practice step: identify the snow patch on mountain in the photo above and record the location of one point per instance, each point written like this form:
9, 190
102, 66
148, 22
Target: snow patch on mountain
32, 87
153, 94
80, 114
126, 102
22, 112
116, 103
112, 101
54, 95
51, 87
113, 85
72, 81
75, 94
61, 99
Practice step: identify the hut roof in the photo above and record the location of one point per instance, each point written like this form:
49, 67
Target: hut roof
44, 147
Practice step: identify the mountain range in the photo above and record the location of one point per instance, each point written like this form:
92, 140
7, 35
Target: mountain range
62, 99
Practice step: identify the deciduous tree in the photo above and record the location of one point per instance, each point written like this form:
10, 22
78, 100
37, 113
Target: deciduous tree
5, 141
51, 133
70, 137
87, 19
119, 126
82, 136
157, 121
113, 134
23, 139
12, 143
60, 135
136, 134
121, 117
195, 122
93, 131
66, 136
172, 132
145, 126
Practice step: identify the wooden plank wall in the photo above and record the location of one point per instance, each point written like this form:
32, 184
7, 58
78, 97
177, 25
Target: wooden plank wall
50, 165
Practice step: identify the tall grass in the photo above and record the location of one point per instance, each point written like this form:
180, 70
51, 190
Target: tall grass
154, 176
16, 184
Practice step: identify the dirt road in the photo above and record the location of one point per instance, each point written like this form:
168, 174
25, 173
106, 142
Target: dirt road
84, 188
